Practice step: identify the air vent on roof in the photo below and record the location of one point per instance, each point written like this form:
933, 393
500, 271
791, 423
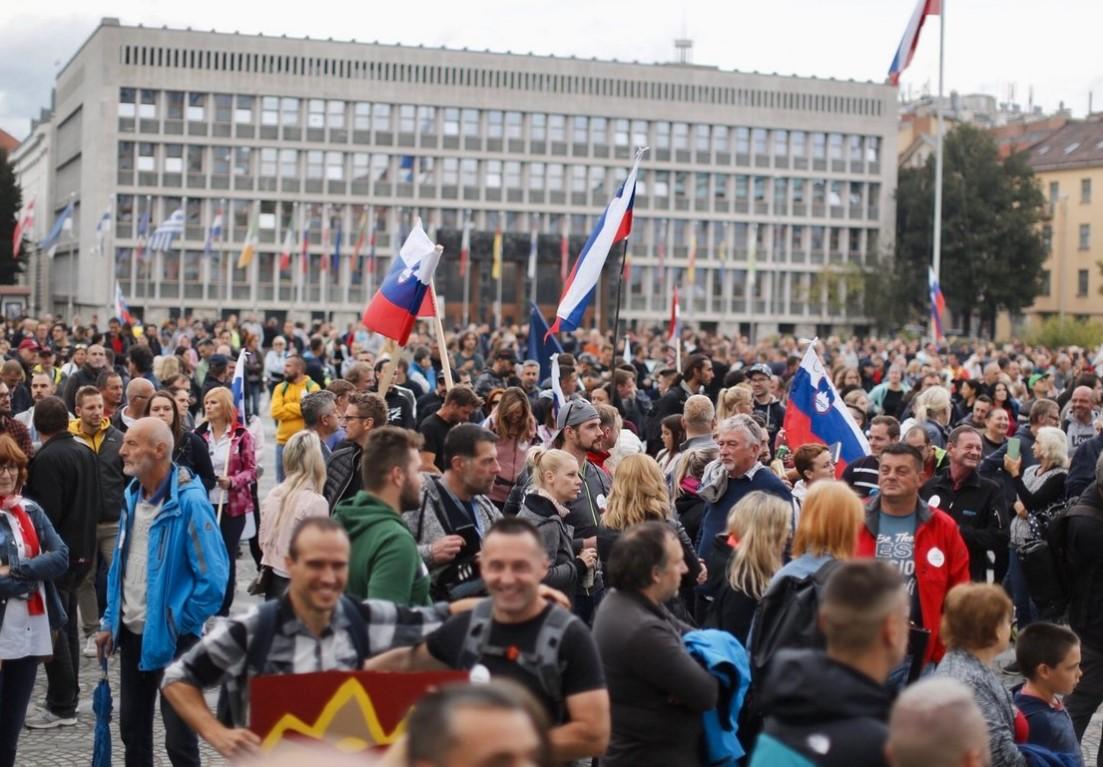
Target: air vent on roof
1072, 147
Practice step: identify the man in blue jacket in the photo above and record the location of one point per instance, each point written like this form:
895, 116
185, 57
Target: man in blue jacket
166, 579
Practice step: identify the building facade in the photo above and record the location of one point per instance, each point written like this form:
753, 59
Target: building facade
760, 195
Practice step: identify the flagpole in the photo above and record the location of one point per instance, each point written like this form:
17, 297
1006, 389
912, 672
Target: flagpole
445, 363
937, 255
620, 287
183, 256
466, 277
110, 252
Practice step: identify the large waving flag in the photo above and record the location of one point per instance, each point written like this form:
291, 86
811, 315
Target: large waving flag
22, 226
237, 387
405, 289
122, 311
541, 347
614, 226
938, 303
171, 228
62, 223
816, 413
910, 41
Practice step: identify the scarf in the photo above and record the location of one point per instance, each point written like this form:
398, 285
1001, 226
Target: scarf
13, 505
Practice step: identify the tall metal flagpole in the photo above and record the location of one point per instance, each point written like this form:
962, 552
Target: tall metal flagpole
620, 287
183, 258
937, 259
467, 271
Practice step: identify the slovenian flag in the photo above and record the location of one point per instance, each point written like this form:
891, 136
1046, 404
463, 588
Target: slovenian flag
938, 303
399, 300
237, 387
910, 41
816, 413
122, 311
614, 226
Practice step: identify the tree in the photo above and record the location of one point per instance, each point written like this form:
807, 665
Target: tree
992, 249
11, 201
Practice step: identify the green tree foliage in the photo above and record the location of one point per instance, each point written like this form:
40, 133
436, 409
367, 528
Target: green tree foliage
992, 250
1056, 332
11, 200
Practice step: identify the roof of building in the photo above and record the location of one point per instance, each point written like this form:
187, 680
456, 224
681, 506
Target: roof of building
8, 142
1077, 145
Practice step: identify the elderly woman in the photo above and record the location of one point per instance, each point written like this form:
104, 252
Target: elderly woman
976, 627
32, 555
274, 362
888, 396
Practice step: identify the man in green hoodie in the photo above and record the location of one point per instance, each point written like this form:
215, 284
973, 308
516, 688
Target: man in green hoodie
384, 562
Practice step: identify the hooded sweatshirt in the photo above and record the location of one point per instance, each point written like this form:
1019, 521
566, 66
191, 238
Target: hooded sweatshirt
824, 711
383, 561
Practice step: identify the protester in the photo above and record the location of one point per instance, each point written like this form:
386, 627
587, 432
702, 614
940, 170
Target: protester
697, 373
673, 435
32, 557
812, 462
1049, 657
656, 706
233, 458
513, 422
937, 723
459, 404
12, 427
861, 474
976, 627
995, 431
320, 416
365, 411
41, 386
827, 530
189, 450
88, 374
138, 392
286, 407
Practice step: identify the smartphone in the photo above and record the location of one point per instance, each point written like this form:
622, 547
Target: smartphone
1013, 448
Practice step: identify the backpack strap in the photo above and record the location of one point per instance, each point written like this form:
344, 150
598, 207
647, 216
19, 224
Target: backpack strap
358, 629
256, 653
548, 644
478, 634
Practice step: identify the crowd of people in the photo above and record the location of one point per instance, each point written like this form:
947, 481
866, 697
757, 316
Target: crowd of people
661, 572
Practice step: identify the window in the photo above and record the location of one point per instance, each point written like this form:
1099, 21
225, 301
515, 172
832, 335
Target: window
315, 167
579, 129
450, 171
819, 146
681, 178
760, 188
1046, 286
335, 166
835, 146
720, 186
335, 114
380, 164
147, 157
269, 110
681, 136
127, 97
1085, 236
243, 112
621, 132
174, 158
662, 135
662, 184
742, 189
174, 106
147, 109
742, 141
854, 148
381, 117
289, 163
701, 138
781, 143
701, 186
451, 121
720, 139
1085, 190
639, 133
470, 120
469, 172
1047, 238
197, 107
758, 139
557, 128
221, 160
798, 191
513, 125
536, 176
798, 142
599, 130
495, 124
427, 120
407, 118
361, 116
578, 179
243, 161
269, 162
223, 107
597, 181
1054, 191
316, 113
126, 155
873, 149
513, 174
538, 127
289, 111
555, 177
493, 174
1081, 283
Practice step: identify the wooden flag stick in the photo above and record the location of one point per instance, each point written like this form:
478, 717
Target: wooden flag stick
445, 363
391, 349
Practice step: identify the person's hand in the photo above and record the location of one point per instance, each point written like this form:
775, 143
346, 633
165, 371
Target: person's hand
104, 645
1012, 465
5, 570
555, 596
445, 549
703, 575
223, 482
233, 743
589, 543
1020, 509
588, 557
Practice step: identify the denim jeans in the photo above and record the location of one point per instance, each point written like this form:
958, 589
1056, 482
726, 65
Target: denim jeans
279, 463
16, 684
1025, 613
232, 528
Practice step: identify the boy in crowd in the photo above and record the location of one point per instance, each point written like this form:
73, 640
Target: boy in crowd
1049, 656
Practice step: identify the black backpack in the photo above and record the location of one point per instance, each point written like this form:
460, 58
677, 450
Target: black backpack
1045, 561
786, 617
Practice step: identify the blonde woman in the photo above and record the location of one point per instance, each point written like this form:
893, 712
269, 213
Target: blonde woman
830, 520
734, 400
933, 410
639, 494
758, 528
556, 483
294, 499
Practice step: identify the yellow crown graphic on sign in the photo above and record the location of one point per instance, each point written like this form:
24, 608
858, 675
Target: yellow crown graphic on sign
349, 700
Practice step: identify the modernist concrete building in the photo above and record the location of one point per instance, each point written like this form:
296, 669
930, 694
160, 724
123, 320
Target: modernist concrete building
780, 185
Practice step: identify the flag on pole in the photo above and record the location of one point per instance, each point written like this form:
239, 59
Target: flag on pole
304, 255
534, 248
122, 311
22, 227
614, 226
496, 255
558, 398
168, 230
54, 235
564, 253
252, 237
691, 266
627, 351
237, 388
910, 41
400, 298
816, 413
143, 232
465, 247
541, 346
324, 262
288, 247
103, 225
361, 239
214, 232
674, 330
335, 261
938, 303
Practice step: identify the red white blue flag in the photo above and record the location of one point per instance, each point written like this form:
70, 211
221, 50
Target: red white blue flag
816, 413
910, 41
614, 226
122, 311
674, 331
938, 303
404, 294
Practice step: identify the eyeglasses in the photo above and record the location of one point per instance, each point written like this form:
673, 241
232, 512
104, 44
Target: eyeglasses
9, 469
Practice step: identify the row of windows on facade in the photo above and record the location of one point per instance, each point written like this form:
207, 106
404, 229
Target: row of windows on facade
274, 219
503, 79
453, 121
1083, 279
1085, 191
362, 167
1083, 242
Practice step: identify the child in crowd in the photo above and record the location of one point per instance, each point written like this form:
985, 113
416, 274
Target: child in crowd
1049, 656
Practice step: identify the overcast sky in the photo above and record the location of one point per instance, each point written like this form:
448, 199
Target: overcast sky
992, 46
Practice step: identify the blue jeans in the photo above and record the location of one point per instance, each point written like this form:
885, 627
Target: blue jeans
1025, 613
16, 684
279, 463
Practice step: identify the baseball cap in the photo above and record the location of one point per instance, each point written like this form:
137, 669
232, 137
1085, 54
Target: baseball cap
505, 354
1035, 378
574, 413
760, 369
28, 343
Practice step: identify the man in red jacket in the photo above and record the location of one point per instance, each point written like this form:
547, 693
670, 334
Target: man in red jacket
922, 542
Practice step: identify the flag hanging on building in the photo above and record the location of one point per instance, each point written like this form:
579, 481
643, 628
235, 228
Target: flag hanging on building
360, 242
304, 247
496, 254
534, 248
288, 247
214, 232
614, 226
542, 347
62, 223
323, 264
237, 388
122, 311
910, 41
103, 225
252, 237
168, 230
816, 413
24, 225
399, 300
335, 260
938, 303
691, 265
143, 233
674, 330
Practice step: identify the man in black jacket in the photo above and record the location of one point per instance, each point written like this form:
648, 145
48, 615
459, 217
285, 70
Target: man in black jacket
62, 478
977, 504
1084, 548
697, 374
89, 373
1082, 468
365, 411
831, 707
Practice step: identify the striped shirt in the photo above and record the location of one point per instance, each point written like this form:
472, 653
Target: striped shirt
222, 655
862, 476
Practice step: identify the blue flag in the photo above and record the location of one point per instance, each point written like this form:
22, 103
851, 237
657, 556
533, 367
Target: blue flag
541, 345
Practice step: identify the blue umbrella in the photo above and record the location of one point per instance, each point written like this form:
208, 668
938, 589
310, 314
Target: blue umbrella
101, 705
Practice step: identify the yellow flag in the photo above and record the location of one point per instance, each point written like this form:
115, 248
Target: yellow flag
249, 249
691, 269
496, 253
